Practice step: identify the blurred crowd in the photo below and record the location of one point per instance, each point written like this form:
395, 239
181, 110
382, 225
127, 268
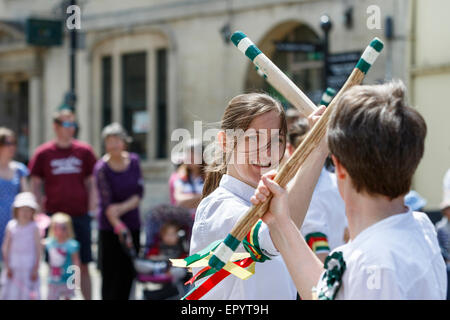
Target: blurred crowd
47, 209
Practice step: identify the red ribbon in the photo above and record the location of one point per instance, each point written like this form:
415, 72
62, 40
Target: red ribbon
215, 279
198, 274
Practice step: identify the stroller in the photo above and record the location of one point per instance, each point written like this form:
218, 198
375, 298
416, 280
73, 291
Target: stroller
154, 272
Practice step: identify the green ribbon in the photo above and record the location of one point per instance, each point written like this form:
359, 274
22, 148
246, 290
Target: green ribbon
255, 245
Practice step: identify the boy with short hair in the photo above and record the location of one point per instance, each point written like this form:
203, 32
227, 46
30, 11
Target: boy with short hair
376, 142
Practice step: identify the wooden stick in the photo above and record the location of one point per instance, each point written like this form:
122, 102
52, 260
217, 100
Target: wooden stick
290, 168
273, 74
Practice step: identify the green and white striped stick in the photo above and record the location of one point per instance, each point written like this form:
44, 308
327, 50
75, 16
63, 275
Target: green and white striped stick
273, 74
327, 96
225, 250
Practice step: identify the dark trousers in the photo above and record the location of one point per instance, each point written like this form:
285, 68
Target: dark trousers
116, 266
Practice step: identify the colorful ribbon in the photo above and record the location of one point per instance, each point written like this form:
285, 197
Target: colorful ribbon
241, 265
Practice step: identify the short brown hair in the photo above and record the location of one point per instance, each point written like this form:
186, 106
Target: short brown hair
378, 138
298, 131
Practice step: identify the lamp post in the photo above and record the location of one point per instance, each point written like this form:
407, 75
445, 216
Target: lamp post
325, 25
70, 97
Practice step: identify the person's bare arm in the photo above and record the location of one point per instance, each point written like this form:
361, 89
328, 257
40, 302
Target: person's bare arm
36, 188
322, 256
5, 248
38, 248
129, 204
303, 265
76, 259
24, 186
115, 211
303, 184
301, 189
92, 193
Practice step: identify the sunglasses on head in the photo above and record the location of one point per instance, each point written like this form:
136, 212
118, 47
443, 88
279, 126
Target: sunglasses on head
66, 124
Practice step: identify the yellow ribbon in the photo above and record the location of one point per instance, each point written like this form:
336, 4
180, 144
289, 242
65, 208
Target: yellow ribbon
231, 267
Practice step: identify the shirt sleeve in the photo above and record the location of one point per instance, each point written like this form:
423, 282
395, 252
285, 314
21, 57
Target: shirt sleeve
315, 228
22, 169
74, 246
103, 186
36, 164
265, 241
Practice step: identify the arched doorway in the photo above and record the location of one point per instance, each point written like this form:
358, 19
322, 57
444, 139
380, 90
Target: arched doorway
304, 69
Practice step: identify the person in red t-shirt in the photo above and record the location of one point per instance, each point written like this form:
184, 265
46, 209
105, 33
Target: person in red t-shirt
62, 181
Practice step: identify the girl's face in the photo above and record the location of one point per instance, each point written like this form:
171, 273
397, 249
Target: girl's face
114, 145
258, 150
60, 231
24, 214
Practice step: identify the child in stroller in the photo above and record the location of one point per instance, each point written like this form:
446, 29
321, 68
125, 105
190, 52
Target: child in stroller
168, 232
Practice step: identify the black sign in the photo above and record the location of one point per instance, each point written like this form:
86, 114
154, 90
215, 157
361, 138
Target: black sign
42, 32
340, 66
298, 46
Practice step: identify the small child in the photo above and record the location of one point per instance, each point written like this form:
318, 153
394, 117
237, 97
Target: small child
21, 251
170, 246
63, 254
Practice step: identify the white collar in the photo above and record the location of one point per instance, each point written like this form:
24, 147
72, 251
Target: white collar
237, 187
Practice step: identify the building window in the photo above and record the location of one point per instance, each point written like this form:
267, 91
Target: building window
106, 91
131, 87
305, 69
161, 103
134, 97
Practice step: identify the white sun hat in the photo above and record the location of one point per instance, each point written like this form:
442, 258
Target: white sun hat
25, 199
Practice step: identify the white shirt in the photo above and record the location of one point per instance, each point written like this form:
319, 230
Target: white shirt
216, 215
326, 212
395, 258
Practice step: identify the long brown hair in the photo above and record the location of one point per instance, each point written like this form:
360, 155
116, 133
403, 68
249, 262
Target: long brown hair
240, 112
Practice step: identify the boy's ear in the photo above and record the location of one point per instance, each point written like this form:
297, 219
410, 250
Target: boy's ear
341, 173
